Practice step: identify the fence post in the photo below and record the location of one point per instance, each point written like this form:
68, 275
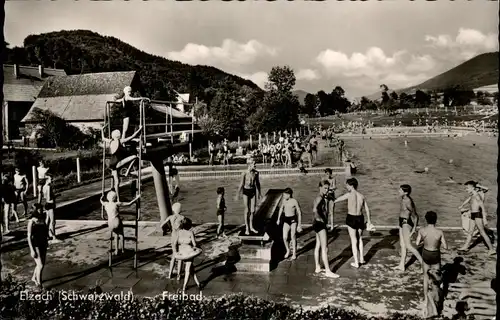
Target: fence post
190, 152
274, 133
267, 138
250, 141
78, 176
35, 178
238, 141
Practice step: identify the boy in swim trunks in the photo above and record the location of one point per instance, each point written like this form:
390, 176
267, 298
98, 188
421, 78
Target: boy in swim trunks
21, 185
407, 225
320, 224
330, 196
478, 215
47, 194
250, 188
221, 210
115, 223
433, 240
355, 220
292, 221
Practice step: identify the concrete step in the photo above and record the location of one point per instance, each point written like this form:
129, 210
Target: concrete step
256, 252
253, 265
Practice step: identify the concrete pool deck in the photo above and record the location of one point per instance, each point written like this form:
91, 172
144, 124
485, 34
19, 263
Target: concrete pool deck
80, 262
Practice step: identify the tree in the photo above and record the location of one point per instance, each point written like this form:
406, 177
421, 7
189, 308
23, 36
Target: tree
281, 79
228, 114
310, 102
422, 99
324, 102
338, 102
394, 95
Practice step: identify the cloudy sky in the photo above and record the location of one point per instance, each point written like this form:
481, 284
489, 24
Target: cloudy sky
357, 45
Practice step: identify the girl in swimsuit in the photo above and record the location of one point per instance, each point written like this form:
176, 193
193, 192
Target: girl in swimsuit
186, 243
115, 223
128, 108
8, 199
407, 226
250, 187
225, 149
320, 225
119, 156
221, 210
272, 150
175, 221
38, 242
292, 221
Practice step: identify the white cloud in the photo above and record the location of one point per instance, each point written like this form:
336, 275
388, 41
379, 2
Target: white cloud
307, 75
259, 78
467, 43
230, 54
421, 64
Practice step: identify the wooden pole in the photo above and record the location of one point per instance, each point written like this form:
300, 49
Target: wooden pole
267, 138
238, 141
35, 181
78, 173
260, 139
274, 133
190, 152
171, 125
250, 141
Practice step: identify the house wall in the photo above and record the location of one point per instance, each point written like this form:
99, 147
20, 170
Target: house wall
15, 112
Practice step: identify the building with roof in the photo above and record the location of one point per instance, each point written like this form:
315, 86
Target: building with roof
492, 88
81, 99
21, 87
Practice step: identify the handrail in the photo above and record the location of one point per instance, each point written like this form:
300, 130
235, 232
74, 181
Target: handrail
172, 102
173, 124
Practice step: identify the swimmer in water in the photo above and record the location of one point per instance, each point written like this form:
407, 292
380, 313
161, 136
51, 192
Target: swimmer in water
355, 221
250, 188
292, 221
478, 215
433, 240
320, 224
408, 222
115, 223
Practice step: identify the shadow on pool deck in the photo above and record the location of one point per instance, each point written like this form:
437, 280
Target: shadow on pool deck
80, 262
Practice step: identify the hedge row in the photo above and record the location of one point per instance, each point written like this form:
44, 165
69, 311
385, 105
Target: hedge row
225, 307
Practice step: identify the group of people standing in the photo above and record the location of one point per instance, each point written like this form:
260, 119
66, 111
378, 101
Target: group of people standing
41, 229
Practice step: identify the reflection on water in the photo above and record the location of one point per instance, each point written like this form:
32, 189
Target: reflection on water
384, 164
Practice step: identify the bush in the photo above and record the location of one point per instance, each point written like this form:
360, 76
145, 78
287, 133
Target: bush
236, 306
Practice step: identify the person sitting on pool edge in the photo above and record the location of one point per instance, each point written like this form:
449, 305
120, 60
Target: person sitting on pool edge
120, 156
292, 221
115, 223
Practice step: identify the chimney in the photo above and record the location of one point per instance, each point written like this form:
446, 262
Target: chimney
40, 71
16, 71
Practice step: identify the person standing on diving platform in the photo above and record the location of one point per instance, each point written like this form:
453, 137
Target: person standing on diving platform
128, 112
250, 187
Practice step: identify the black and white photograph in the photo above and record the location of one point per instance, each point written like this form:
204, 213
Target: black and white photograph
249, 160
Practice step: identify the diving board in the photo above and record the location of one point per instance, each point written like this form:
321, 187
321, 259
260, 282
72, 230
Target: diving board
265, 217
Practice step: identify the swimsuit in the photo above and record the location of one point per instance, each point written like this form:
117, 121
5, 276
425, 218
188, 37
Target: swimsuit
172, 172
431, 257
290, 220
355, 222
39, 235
119, 154
321, 220
250, 192
403, 221
477, 215
128, 110
222, 207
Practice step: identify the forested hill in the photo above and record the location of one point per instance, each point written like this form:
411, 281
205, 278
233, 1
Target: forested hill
83, 51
